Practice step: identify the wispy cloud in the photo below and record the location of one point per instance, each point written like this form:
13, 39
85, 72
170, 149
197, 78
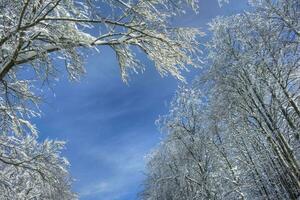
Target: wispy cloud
125, 156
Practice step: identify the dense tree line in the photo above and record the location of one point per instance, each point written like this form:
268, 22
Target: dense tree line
234, 133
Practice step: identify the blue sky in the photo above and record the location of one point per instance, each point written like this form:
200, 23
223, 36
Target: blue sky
108, 125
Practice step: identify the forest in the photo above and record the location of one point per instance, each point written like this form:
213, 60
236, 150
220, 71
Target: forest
233, 132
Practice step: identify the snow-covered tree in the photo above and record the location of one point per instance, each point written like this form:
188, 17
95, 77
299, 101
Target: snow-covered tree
256, 61
37, 35
183, 165
33, 170
250, 114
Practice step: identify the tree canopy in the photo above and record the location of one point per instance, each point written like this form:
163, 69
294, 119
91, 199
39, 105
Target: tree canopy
234, 134
36, 35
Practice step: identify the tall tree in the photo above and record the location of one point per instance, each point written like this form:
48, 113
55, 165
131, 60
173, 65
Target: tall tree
249, 115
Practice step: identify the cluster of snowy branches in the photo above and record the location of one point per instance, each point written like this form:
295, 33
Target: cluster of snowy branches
36, 36
234, 134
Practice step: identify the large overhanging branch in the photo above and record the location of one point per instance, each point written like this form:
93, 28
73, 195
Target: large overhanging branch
22, 58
